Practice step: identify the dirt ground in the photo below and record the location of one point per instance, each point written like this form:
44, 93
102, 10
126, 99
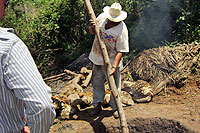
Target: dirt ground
173, 110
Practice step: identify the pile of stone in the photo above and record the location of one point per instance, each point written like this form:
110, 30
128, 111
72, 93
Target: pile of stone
76, 92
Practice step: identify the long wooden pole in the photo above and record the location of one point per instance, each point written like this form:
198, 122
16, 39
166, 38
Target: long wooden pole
110, 78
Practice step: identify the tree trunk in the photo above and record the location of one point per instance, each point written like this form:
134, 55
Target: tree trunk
107, 64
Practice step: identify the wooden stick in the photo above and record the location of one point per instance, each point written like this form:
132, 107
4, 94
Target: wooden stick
88, 77
87, 80
70, 72
108, 66
62, 74
55, 76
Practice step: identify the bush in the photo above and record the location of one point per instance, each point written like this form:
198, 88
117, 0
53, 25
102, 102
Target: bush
54, 30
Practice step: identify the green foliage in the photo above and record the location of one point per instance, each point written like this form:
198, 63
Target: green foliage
188, 28
170, 44
16, 18
61, 25
56, 31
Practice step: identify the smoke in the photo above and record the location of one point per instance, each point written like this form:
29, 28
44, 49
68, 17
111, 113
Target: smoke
154, 26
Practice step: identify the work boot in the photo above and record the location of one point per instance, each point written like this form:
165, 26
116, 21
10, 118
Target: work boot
96, 110
115, 114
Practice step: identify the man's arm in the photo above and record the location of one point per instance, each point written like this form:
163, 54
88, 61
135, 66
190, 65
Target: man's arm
22, 76
118, 57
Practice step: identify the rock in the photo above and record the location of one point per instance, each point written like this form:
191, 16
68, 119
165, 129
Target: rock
87, 98
141, 91
106, 98
73, 99
126, 98
67, 111
63, 109
73, 88
82, 61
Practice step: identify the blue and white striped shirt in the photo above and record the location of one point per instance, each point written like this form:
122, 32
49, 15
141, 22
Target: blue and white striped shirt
23, 93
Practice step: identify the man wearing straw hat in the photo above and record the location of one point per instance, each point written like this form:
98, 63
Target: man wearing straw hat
114, 34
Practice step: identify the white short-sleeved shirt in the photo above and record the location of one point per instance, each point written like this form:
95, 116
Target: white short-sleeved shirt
115, 39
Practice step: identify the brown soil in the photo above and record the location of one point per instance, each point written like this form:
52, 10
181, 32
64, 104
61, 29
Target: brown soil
173, 110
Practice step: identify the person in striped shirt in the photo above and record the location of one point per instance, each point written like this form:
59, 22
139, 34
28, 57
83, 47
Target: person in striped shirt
25, 99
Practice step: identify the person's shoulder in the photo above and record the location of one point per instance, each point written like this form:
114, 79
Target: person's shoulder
7, 35
7, 39
101, 16
123, 26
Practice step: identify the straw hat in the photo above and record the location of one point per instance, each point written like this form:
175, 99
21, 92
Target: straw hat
115, 13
